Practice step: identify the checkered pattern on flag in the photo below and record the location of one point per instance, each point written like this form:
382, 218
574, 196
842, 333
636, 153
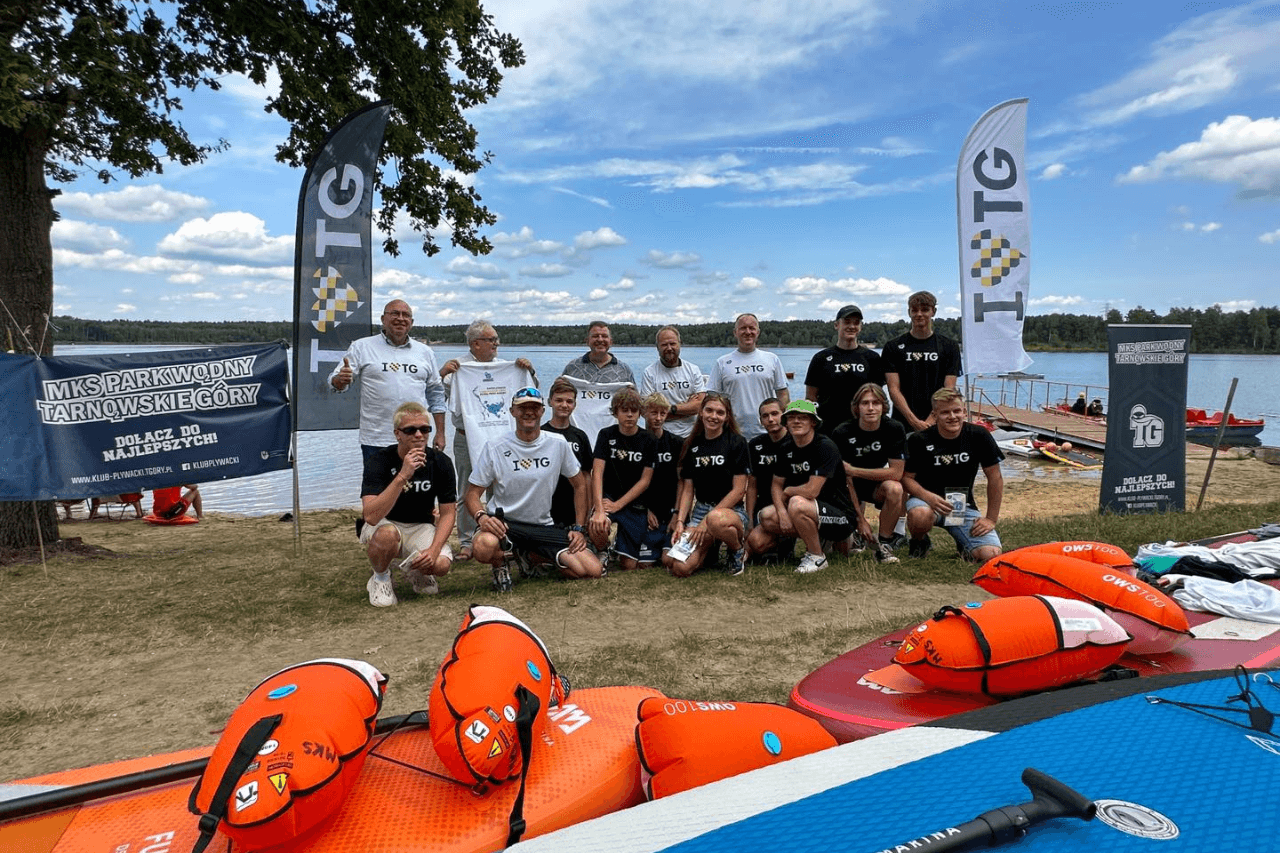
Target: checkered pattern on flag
993, 208
335, 300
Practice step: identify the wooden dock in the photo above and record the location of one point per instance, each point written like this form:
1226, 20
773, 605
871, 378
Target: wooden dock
1083, 432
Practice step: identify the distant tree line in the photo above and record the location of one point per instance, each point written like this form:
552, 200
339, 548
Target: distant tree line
1212, 330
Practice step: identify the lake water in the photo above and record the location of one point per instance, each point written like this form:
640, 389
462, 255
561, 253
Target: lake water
329, 465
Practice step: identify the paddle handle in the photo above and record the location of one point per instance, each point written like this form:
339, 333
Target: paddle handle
1050, 799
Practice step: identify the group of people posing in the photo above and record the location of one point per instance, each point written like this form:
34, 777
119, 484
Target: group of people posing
688, 465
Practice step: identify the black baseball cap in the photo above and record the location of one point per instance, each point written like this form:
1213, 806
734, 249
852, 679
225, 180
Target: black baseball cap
849, 311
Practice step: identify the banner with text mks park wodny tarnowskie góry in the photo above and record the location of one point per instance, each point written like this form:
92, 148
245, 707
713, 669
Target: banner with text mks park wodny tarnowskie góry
993, 212
82, 426
333, 266
1145, 466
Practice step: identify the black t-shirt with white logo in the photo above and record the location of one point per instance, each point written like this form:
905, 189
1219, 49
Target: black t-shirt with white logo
922, 367
941, 464
712, 463
838, 374
870, 448
660, 498
625, 458
796, 465
562, 508
434, 483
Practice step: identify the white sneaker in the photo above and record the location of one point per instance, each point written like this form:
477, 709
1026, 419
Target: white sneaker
381, 593
423, 584
811, 563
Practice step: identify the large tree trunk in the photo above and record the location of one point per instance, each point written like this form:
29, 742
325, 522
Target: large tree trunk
26, 288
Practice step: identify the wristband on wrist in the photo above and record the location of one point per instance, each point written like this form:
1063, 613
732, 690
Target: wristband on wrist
479, 513
671, 413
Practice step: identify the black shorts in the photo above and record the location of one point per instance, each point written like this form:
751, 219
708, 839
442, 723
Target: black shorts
546, 540
866, 491
834, 522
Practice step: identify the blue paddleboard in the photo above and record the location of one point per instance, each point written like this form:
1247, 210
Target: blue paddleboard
1166, 779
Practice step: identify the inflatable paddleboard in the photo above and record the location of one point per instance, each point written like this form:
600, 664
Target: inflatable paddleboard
863, 693
1163, 779
585, 766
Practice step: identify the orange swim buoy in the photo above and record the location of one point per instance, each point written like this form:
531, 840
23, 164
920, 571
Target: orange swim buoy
1155, 621
686, 743
289, 754
1012, 645
1091, 552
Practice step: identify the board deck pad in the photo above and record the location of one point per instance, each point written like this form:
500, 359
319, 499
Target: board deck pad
862, 692
1160, 769
585, 766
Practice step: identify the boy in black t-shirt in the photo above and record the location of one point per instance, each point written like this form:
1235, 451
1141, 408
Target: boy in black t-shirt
810, 495
659, 500
402, 486
621, 472
766, 449
562, 398
942, 463
872, 446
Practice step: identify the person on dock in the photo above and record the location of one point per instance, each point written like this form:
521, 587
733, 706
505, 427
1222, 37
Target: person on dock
1095, 409
522, 470
749, 375
680, 381
837, 372
1080, 407
919, 362
405, 485
392, 369
873, 449
942, 464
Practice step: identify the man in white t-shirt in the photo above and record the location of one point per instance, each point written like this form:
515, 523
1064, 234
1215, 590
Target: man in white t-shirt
680, 381
749, 376
393, 369
522, 470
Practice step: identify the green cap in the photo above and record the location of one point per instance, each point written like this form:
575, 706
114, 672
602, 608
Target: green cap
802, 407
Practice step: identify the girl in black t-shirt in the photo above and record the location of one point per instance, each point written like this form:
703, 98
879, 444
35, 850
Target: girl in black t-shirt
714, 465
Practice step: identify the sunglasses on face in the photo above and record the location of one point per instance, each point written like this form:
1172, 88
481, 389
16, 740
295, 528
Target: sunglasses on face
414, 430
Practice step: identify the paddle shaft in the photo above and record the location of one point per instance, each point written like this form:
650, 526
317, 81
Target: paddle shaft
1050, 799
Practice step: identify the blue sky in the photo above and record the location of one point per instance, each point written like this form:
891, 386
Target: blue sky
666, 161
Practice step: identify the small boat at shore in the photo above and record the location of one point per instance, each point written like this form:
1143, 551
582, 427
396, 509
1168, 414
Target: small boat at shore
1203, 426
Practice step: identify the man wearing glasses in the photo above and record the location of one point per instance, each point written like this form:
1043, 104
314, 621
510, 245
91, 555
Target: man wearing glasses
393, 368
403, 485
522, 470
478, 394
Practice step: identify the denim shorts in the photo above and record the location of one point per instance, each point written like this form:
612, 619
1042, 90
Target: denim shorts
965, 542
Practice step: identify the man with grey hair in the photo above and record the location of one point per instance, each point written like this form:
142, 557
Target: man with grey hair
392, 368
598, 365
749, 376
483, 342
681, 382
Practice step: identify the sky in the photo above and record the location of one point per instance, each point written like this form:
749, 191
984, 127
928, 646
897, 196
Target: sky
660, 161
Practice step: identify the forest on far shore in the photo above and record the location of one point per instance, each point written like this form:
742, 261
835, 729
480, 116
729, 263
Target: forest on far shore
1212, 331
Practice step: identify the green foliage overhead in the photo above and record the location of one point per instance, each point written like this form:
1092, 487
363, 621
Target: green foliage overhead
97, 84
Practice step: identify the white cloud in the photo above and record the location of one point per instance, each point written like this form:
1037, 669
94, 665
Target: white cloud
598, 294
151, 203
1056, 303
465, 265
1210, 227
594, 199
503, 238
546, 271
233, 234
623, 283
1237, 150
817, 286
1270, 237
73, 234
1237, 305
748, 283
1052, 171
601, 237
124, 308
1200, 62
672, 260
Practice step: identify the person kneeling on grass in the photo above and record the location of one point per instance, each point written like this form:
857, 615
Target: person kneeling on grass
871, 445
621, 472
522, 469
714, 464
660, 498
810, 495
942, 463
404, 484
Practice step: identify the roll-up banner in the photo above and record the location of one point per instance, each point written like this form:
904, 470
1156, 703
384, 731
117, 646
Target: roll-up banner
333, 266
1145, 465
82, 426
993, 207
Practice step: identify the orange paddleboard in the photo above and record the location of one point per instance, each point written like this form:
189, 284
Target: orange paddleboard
584, 766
